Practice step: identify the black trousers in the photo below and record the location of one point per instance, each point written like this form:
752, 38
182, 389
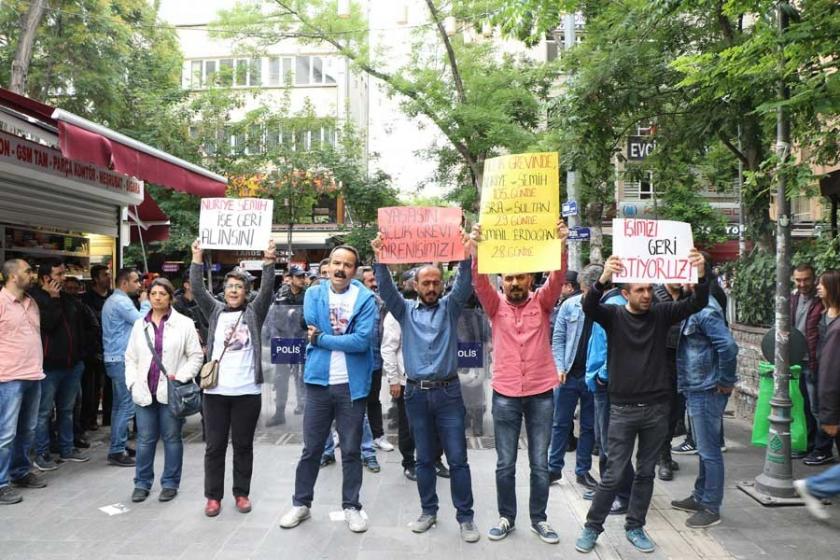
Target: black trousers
405, 441
234, 417
374, 407
93, 381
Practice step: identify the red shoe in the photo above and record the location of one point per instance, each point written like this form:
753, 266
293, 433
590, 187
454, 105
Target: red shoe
243, 504
212, 508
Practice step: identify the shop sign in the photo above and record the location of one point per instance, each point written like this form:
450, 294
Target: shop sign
40, 158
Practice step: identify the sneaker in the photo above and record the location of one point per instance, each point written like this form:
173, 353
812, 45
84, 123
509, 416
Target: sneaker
327, 459
383, 444
243, 504
120, 460
139, 495
212, 508
554, 477
702, 519
585, 480
44, 462
167, 494
640, 540
355, 521
816, 459
410, 473
81, 443
545, 532
689, 504
9, 496
276, 420
441, 470
814, 504
425, 522
586, 541
685, 448
294, 517
469, 532
130, 451
372, 465
30, 480
75, 456
502, 529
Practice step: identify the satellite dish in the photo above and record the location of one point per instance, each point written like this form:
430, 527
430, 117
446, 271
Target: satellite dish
797, 346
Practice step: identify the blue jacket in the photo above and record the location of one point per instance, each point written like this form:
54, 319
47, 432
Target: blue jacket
707, 354
118, 317
568, 327
596, 353
355, 343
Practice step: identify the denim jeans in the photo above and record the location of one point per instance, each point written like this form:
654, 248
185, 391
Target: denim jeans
826, 484
602, 424
367, 442
19, 401
627, 423
323, 405
155, 422
122, 407
566, 397
823, 443
507, 422
437, 419
706, 410
58, 389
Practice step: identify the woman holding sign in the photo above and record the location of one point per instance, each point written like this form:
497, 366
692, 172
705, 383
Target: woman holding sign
233, 378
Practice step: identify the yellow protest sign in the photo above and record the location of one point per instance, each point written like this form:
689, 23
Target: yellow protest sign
520, 206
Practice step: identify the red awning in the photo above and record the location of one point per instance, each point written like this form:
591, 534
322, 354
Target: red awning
148, 221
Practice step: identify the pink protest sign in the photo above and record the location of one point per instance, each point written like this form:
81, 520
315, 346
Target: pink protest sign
414, 234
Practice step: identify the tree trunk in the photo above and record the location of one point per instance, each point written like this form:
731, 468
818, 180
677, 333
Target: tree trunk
23, 53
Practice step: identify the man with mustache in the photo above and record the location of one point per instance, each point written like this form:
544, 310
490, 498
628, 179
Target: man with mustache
433, 400
524, 377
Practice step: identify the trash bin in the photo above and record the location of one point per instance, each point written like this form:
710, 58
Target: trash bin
761, 420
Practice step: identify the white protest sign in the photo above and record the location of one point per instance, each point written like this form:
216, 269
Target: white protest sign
235, 223
653, 251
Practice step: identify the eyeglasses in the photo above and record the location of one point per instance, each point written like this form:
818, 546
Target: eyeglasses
234, 286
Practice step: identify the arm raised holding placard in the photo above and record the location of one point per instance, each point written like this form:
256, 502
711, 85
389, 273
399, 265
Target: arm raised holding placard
679, 310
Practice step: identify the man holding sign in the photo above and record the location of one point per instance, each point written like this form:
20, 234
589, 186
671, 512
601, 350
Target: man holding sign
524, 377
639, 391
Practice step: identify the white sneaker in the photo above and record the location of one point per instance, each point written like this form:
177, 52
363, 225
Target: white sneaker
294, 517
355, 521
812, 503
383, 444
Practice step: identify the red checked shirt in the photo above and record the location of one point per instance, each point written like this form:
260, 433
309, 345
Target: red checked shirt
522, 360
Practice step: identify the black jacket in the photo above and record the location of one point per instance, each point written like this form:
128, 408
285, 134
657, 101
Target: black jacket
62, 329
829, 375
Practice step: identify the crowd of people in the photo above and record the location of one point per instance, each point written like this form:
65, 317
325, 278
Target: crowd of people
632, 362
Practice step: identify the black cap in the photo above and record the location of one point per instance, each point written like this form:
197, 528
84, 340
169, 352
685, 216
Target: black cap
572, 276
295, 270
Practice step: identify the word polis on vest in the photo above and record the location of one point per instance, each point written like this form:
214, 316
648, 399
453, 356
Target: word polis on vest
235, 223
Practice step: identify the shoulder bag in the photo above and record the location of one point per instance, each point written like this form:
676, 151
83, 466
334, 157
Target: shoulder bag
209, 374
184, 398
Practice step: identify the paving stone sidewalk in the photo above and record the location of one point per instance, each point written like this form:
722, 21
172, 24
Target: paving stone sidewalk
64, 521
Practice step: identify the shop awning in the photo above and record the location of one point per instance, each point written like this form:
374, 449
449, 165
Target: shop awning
83, 140
148, 221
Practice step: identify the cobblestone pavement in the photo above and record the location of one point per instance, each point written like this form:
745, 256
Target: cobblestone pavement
64, 520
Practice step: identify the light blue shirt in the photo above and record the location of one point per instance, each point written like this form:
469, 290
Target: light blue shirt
118, 316
430, 341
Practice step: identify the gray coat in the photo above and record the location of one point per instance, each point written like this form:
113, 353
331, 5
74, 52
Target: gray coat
255, 311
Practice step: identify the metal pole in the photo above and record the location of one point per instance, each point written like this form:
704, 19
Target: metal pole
140, 236
774, 486
742, 240
571, 176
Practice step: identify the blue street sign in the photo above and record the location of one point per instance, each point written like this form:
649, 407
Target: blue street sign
215, 267
470, 355
570, 208
579, 234
287, 350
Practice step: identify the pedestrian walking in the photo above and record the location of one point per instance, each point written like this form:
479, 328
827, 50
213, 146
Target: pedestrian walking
639, 390
163, 344
433, 400
341, 316
231, 406
21, 372
524, 378
118, 317
707, 359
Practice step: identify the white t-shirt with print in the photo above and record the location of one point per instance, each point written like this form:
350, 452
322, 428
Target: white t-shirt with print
236, 370
341, 311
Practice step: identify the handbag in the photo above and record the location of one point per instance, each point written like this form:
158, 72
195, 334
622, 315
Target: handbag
184, 397
209, 374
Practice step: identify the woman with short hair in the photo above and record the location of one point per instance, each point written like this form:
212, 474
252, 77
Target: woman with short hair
164, 338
